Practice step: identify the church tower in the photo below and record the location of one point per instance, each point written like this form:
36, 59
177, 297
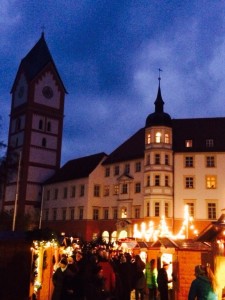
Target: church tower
35, 130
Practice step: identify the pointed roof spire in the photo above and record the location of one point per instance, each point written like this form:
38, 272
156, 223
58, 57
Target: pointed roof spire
159, 103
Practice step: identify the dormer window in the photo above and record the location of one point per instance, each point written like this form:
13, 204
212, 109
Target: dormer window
209, 143
188, 143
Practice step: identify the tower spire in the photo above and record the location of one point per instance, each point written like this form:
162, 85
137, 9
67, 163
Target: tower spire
159, 101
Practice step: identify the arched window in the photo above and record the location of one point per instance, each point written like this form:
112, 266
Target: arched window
40, 126
105, 236
158, 137
44, 142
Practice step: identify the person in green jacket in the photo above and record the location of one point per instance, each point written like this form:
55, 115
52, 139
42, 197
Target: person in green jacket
204, 286
151, 274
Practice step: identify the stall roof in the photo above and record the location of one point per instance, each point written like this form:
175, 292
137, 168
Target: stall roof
213, 230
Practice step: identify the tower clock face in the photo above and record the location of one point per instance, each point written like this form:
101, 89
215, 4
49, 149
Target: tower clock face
47, 92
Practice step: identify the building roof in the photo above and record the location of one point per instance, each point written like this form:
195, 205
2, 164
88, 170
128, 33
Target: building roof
34, 62
133, 148
77, 168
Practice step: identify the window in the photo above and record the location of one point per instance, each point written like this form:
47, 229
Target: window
18, 124
137, 187
191, 209
48, 195
73, 191
49, 126
156, 209
124, 188
44, 143
167, 140
116, 189
148, 209
95, 214
123, 213
158, 137
40, 125
106, 190
157, 180
81, 190
107, 172
64, 214
56, 192
189, 162
127, 169
106, 213
188, 143
166, 209
54, 214
211, 210
166, 180
115, 213
210, 182
96, 190
65, 191
81, 213
157, 159
46, 214
148, 180
138, 166
209, 143
148, 160
116, 170
189, 182
148, 138
166, 159
72, 213
137, 212
210, 161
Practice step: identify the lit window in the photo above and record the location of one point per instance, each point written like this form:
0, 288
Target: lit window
107, 172
188, 143
191, 209
211, 182
166, 159
149, 138
211, 210
189, 182
157, 180
138, 166
96, 190
116, 189
123, 213
137, 187
209, 143
189, 161
95, 214
106, 190
157, 209
157, 159
166, 209
210, 161
158, 137
124, 188
116, 170
65, 192
167, 140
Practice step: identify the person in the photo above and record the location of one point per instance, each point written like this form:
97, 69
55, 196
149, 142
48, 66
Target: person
204, 286
151, 274
140, 283
62, 281
163, 280
125, 276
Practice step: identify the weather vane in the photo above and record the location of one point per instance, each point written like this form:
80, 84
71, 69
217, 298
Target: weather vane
159, 73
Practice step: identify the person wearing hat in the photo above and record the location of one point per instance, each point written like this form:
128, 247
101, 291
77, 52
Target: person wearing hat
163, 280
62, 281
204, 286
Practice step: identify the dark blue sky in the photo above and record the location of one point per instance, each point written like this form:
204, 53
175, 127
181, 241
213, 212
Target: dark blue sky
108, 54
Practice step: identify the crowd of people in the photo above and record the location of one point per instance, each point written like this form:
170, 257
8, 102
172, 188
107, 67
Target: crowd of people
102, 276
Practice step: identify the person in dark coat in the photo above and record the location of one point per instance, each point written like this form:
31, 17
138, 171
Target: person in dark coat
204, 286
125, 275
163, 281
140, 282
62, 281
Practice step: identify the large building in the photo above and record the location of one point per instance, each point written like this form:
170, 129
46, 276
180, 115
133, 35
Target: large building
167, 176
35, 130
